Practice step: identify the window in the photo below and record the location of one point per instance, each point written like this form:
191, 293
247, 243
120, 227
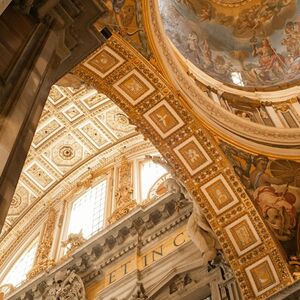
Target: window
237, 78
17, 274
150, 173
87, 214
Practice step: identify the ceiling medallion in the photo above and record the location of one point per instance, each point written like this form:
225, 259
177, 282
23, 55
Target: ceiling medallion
121, 119
16, 201
66, 152
231, 2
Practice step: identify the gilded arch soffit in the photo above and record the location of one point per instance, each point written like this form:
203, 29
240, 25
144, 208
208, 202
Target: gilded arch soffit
170, 124
216, 118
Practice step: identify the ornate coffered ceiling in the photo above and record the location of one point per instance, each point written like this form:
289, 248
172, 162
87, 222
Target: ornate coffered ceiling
78, 130
81, 130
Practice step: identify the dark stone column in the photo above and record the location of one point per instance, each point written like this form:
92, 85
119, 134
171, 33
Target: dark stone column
48, 41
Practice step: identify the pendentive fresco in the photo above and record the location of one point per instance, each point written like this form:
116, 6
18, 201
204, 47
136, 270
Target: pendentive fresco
274, 187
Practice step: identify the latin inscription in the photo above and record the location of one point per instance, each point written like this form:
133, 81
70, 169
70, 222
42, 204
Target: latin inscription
146, 259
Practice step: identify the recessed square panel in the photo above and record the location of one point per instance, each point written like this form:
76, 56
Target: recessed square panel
94, 134
219, 194
56, 95
93, 99
104, 62
243, 235
72, 112
45, 131
134, 87
262, 276
164, 119
39, 175
193, 155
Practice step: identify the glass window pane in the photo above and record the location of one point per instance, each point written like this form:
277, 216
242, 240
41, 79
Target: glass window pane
87, 213
150, 173
22, 266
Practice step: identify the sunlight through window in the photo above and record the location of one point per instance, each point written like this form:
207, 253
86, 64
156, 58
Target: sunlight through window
150, 173
22, 266
237, 78
87, 213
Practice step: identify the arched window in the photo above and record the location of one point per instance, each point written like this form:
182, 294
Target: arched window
17, 274
87, 213
150, 173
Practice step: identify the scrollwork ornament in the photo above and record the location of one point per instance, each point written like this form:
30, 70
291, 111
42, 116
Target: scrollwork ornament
43, 261
65, 286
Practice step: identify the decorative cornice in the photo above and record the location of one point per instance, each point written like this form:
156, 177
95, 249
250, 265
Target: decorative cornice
115, 242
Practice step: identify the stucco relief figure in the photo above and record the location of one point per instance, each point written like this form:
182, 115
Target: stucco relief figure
202, 235
74, 241
276, 207
198, 228
172, 186
65, 286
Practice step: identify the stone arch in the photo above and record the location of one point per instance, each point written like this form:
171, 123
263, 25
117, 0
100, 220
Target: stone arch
162, 115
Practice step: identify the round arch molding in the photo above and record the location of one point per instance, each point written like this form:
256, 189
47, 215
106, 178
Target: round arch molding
164, 117
230, 127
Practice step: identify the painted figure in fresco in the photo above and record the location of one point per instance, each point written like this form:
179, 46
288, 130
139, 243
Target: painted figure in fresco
277, 208
256, 18
271, 62
221, 67
114, 7
291, 41
192, 41
218, 63
203, 54
186, 3
292, 44
205, 13
121, 16
206, 54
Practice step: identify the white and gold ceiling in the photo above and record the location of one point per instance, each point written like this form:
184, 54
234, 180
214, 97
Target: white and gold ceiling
79, 131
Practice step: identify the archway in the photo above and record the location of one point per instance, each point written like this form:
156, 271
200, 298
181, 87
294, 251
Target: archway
162, 116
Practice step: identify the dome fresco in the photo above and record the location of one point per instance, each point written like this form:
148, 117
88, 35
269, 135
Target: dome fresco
250, 43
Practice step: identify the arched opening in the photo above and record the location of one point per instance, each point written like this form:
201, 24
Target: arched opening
192, 153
